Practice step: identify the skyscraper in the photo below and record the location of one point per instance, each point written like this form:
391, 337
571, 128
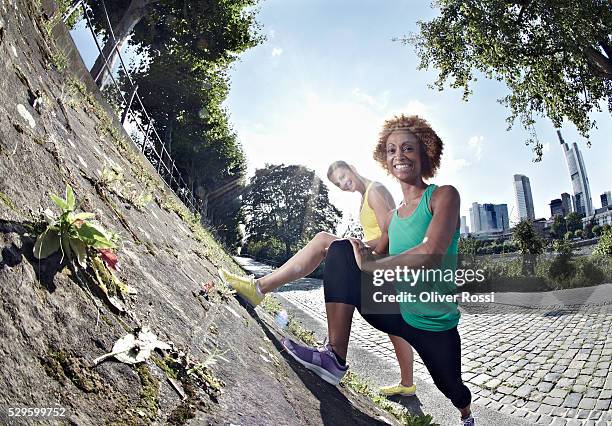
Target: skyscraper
566, 203
556, 208
489, 217
524, 199
583, 203
475, 217
606, 199
464, 227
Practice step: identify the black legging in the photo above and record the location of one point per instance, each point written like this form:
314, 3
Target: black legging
439, 350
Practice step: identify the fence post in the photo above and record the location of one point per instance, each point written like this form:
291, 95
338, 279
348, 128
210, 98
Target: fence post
75, 5
127, 108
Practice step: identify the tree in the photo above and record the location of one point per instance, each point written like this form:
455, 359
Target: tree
604, 246
529, 244
555, 56
573, 222
354, 229
288, 203
597, 230
559, 227
204, 30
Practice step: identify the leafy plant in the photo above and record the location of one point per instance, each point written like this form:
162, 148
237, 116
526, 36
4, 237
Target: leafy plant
71, 233
604, 246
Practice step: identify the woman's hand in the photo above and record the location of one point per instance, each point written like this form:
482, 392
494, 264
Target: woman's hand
363, 255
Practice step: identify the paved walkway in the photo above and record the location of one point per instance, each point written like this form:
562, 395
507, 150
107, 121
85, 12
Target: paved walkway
543, 357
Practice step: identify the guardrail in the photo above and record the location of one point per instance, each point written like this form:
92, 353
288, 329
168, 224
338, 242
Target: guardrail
149, 141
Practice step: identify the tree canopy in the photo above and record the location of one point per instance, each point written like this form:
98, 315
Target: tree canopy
555, 56
213, 31
289, 204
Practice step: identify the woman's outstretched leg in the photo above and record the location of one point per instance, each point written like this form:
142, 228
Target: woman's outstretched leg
301, 264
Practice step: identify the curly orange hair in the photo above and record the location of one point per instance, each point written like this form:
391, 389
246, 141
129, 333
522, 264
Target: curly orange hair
431, 144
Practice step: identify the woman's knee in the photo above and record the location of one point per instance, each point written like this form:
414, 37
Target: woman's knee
339, 249
323, 240
455, 390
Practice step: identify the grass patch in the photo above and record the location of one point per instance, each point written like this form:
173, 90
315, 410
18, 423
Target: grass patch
355, 383
6, 200
148, 393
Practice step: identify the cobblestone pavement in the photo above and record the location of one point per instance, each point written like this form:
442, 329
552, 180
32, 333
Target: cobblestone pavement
546, 364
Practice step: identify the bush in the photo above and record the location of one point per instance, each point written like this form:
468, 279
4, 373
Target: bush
561, 268
265, 251
604, 246
569, 235
578, 233
597, 230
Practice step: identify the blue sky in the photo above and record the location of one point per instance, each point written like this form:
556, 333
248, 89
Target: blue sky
320, 87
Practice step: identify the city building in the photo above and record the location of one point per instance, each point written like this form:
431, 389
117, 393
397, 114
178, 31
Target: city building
606, 199
475, 217
464, 227
524, 199
582, 201
566, 202
489, 218
601, 217
561, 206
556, 207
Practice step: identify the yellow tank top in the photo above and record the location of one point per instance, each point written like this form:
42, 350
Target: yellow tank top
367, 217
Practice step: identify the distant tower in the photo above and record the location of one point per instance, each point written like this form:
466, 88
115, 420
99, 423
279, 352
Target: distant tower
580, 182
524, 199
566, 203
606, 199
556, 208
475, 217
464, 227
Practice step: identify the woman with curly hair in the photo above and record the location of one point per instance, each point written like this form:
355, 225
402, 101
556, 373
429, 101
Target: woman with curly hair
376, 203
423, 235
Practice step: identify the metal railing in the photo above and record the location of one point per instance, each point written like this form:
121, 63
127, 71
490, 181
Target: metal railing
149, 142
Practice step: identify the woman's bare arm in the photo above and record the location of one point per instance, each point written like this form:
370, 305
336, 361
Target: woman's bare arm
382, 203
445, 203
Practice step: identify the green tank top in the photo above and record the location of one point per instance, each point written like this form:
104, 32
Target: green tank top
423, 311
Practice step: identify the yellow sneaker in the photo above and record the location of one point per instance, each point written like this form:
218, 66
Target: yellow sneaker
398, 390
244, 286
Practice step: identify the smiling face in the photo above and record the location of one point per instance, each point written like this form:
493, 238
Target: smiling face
404, 159
344, 178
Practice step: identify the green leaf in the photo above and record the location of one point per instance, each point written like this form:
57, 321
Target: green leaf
46, 244
93, 235
60, 202
70, 201
83, 216
80, 249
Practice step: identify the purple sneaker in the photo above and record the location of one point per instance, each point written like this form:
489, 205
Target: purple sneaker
322, 361
469, 421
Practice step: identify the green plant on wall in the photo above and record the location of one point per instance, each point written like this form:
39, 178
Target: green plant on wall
71, 233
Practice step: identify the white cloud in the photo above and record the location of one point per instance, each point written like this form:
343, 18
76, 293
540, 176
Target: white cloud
475, 143
272, 33
415, 107
545, 147
379, 102
277, 51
